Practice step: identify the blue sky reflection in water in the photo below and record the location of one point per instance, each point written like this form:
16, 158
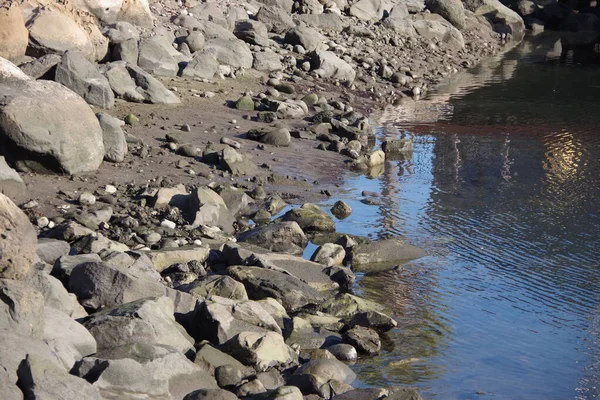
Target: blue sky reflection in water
503, 190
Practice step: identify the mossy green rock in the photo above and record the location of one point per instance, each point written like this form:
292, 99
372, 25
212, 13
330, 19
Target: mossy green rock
131, 119
311, 99
245, 103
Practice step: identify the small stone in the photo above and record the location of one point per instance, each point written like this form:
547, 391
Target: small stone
168, 224
110, 189
87, 199
131, 119
186, 128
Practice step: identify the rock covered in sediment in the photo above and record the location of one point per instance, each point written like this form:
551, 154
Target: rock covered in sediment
279, 137
82, 77
366, 257
11, 184
13, 33
18, 244
46, 127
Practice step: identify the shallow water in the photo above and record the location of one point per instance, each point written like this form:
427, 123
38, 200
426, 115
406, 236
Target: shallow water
503, 191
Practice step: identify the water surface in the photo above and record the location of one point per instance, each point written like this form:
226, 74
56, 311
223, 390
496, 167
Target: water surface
503, 191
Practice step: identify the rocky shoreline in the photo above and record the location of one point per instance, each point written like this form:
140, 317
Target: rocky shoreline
187, 144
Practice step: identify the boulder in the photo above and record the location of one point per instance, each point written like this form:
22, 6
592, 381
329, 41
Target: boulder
329, 254
21, 308
382, 254
63, 267
136, 12
364, 340
281, 393
202, 65
310, 218
211, 394
156, 56
279, 137
343, 352
132, 83
82, 77
346, 306
210, 209
215, 285
149, 320
127, 51
328, 21
68, 338
115, 144
327, 369
214, 358
11, 184
262, 283
253, 32
195, 41
284, 237
452, 10
46, 127
40, 378
502, 18
331, 66
304, 36
176, 196
373, 319
370, 10
39, 67
276, 19
50, 250
236, 163
121, 32
267, 61
162, 259
53, 31
260, 350
440, 30
55, 294
399, 22
232, 52
13, 33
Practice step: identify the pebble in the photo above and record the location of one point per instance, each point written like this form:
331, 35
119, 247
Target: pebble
110, 189
198, 242
168, 224
87, 199
42, 222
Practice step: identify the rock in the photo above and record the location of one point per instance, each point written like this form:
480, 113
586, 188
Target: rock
132, 83
64, 265
582, 22
214, 285
398, 22
232, 52
285, 237
202, 65
149, 320
275, 19
211, 210
52, 31
121, 32
440, 30
195, 41
261, 283
290, 109
310, 218
75, 144
397, 146
341, 209
305, 36
115, 144
21, 308
236, 200
365, 340
209, 355
210, 394
267, 61
345, 305
260, 350
245, 103
279, 137
177, 196
373, 319
253, 32
155, 56
326, 370
82, 77
18, 244
11, 184
502, 18
40, 378
50, 250
13, 34
329, 254
382, 254
127, 51
236, 163
331, 66
370, 10
281, 393
39, 67
343, 352
452, 10
55, 294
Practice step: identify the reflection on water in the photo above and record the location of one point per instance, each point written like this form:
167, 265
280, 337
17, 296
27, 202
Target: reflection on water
503, 191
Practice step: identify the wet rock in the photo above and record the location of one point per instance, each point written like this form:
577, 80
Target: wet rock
149, 320
365, 340
343, 352
343, 276
341, 209
331, 66
82, 77
397, 146
329, 254
305, 337
395, 393
310, 218
382, 254
40, 378
326, 370
260, 350
115, 144
21, 308
345, 305
279, 137
284, 237
373, 319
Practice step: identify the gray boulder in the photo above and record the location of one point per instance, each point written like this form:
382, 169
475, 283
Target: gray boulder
39, 67
253, 32
46, 127
310, 218
326, 370
260, 350
236, 163
150, 320
276, 19
329, 254
121, 31
331, 66
267, 61
370, 10
11, 184
156, 56
211, 394
202, 65
452, 10
50, 250
216, 285
441, 30
364, 340
21, 308
502, 18
210, 209
284, 237
279, 137
40, 378
115, 144
195, 41
328, 21
64, 265
305, 36
82, 77
127, 51
132, 83
233, 52
55, 295
18, 244
382, 254
345, 305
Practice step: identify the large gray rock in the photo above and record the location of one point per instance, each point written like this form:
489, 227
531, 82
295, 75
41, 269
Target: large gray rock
284, 237
132, 83
209, 355
40, 378
202, 65
502, 18
331, 66
253, 32
18, 244
345, 305
45, 126
262, 283
39, 67
50, 250
267, 61
149, 320
55, 294
11, 184
233, 52
195, 41
13, 34
115, 144
237, 163
120, 32
370, 10
279, 137
127, 51
211, 210
260, 350
275, 18
310, 218
216, 285
21, 308
382, 254
161, 259
81, 76
440, 30
305, 36
452, 10
156, 57
326, 370
327, 21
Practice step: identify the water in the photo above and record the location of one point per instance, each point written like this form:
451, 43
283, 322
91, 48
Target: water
503, 191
